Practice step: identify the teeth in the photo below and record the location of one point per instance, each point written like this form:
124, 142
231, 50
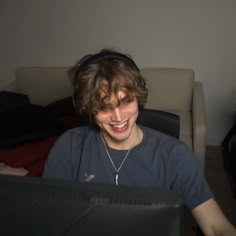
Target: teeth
120, 126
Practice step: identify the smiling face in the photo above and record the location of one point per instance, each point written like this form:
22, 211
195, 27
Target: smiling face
117, 121
110, 91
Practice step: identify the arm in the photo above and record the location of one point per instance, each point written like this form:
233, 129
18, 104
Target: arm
58, 163
212, 220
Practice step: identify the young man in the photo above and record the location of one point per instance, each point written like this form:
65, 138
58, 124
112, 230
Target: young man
109, 88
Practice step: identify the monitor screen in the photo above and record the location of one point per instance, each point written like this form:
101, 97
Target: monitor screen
37, 206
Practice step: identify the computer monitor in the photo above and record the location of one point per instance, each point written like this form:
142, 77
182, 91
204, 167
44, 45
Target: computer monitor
37, 206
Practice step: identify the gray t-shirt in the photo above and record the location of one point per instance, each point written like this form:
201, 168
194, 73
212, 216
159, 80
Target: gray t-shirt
158, 161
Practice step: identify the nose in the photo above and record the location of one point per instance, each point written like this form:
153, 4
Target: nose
116, 114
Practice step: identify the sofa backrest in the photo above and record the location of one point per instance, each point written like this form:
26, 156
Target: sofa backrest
169, 88
43, 84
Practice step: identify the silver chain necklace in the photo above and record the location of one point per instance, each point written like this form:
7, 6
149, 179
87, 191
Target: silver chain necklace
116, 169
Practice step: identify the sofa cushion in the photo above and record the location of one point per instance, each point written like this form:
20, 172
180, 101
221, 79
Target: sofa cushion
44, 84
169, 89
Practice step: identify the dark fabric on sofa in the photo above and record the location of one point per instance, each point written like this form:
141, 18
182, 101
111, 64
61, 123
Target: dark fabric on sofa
62, 107
26, 124
165, 122
10, 100
229, 155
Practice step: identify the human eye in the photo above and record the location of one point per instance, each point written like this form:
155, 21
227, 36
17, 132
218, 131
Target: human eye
106, 108
126, 100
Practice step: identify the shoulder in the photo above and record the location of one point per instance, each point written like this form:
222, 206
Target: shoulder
161, 141
76, 136
79, 132
157, 136
172, 151
181, 167
65, 154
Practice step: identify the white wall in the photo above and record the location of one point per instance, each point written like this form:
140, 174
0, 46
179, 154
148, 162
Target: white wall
194, 34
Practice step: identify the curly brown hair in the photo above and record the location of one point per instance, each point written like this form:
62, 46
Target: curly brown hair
117, 71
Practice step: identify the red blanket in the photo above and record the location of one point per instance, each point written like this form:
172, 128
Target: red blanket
31, 156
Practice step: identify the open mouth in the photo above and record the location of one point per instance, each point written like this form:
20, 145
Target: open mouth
120, 127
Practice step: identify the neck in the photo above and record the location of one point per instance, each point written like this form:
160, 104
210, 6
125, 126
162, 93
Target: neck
134, 139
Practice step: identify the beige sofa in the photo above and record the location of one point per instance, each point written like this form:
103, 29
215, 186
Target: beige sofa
170, 89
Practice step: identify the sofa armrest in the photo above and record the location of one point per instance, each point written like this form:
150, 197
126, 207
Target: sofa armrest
199, 122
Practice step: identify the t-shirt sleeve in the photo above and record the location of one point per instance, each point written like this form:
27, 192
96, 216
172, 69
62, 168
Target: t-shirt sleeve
187, 176
59, 165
